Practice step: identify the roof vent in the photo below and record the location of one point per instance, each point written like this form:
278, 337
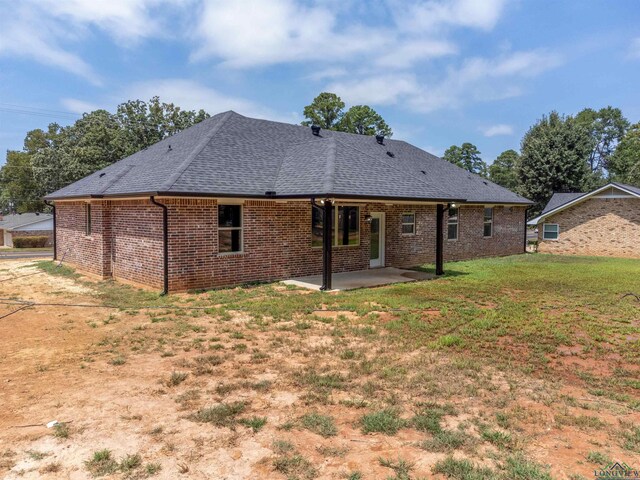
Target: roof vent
102, 174
391, 154
315, 129
423, 172
270, 193
169, 149
380, 139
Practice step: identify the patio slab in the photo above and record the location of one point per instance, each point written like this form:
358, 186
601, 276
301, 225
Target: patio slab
374, 277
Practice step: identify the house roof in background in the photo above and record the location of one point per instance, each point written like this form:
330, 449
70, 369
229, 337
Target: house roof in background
233, 155
10, 222
560, 201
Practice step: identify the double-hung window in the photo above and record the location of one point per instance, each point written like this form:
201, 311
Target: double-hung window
87, 219
408, 223
229, 228
452, 223
345, 228
550, 231
488, 222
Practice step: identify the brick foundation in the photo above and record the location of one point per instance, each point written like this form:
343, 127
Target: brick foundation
597, 226
126, 240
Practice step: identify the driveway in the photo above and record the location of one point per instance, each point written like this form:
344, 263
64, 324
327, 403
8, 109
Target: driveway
16, 254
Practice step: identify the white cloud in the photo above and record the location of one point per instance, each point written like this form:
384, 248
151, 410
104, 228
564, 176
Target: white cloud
377, 90
634, 48
496, 130
191, 95
79, 106
407, 53
437, 14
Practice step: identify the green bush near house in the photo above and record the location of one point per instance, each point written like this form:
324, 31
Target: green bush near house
30, 242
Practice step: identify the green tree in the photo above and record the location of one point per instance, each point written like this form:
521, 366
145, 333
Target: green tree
326, 111
625, 162
19, 191
466, 156
503, 170
606, 126
554, 157
363, 120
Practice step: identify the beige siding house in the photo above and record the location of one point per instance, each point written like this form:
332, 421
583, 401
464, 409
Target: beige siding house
604, 222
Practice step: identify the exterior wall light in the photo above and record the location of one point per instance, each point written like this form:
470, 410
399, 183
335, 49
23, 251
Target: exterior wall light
368, 218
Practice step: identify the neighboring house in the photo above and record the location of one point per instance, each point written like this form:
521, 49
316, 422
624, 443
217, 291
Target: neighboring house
603, 222
235, 199
25, 225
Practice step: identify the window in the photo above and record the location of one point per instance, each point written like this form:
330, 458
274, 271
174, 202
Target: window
408, 223
488, 222
229, 228
87, 219
550, 231
452, 224
345, 229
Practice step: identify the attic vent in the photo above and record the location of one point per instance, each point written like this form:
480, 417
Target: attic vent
485, 182
380, 139
169, 149
423, 172
315, 129
391, 154
102, 175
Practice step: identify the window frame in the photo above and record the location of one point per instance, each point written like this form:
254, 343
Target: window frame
557, 232
88, 227
486, 222
335, 231
456, 223
240, 228
403, 223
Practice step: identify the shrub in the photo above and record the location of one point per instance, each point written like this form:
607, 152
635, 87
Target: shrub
30, 242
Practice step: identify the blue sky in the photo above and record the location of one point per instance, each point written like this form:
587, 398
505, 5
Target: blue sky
441, 72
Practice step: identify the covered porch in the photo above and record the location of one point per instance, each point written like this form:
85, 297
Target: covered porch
373, 277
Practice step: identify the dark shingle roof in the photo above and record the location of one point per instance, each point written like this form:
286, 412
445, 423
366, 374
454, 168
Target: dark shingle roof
559, 199
631, 188
232, 155
9, 222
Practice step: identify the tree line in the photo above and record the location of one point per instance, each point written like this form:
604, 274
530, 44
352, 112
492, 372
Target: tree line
558, 153
562, 153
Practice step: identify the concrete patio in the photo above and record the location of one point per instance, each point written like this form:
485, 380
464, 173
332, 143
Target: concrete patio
374, 277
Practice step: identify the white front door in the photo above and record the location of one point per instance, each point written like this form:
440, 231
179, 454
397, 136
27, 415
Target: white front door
376, 257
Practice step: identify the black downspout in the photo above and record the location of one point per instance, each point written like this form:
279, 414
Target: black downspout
165, 245
326, 245
526, 214
439, 239
55, 234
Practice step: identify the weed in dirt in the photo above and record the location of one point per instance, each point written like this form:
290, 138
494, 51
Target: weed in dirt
401, 468
496, 437
328, 451
294, 466
254, 423
598, 458
101, 463
445, 441
221, 415
53, 467
323, 425
61, 430
354, 476
463, 469
129, 463
631, 439
152, 468
119, 360
176, 378
282, 446
519, 468
384, 421
583, 422
36, 455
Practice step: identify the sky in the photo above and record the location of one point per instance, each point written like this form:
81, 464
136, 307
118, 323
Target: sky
440, 72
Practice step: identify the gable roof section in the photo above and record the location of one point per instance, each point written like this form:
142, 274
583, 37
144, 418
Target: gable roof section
232, 155
9, 222
561, 201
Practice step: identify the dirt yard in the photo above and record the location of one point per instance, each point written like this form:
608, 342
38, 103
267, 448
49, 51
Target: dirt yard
473, 376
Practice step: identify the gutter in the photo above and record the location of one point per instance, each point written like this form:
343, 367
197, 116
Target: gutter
165, 244
55, 233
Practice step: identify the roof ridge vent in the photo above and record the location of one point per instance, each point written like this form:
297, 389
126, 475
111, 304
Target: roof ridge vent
380, 139
315, 129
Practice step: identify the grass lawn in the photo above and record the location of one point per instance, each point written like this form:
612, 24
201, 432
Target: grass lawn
523, 367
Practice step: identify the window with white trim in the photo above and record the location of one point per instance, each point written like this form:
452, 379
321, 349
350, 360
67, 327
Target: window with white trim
550, 231
345, 229
488, 222
408, 223
87, 219
452, 223
229, 228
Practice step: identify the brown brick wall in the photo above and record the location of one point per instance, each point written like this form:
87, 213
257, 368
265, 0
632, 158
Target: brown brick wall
126, 241
597, 226
33, 233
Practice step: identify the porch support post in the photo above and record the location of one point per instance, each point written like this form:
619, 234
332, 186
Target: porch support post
439, 239
327, 222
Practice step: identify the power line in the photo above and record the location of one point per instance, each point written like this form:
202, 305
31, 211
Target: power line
36, 112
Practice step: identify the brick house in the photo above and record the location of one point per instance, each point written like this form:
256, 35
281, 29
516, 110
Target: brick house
25, 225
604, 222
235, 199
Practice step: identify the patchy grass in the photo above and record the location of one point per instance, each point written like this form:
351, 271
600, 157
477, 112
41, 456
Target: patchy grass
323, 425
222, 415
386, 421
